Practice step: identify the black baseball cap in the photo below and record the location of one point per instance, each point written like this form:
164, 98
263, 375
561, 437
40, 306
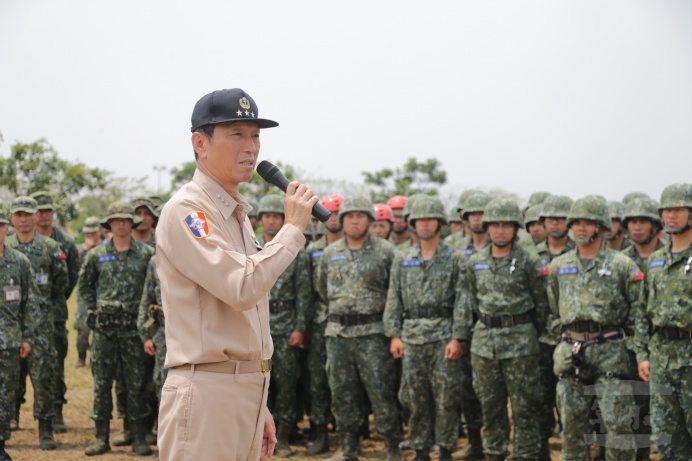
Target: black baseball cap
233, 105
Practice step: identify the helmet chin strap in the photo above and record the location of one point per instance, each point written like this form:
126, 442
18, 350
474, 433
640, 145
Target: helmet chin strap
645, 241
591, 239
502, 244
613, 236
558, 235
676, 231
335, 230
478, 230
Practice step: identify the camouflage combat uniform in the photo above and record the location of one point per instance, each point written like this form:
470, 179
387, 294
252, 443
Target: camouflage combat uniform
151, 322
509, 298
358, 358
423, 309
50, 269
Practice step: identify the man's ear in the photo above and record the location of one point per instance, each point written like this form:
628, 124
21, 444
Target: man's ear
199, 144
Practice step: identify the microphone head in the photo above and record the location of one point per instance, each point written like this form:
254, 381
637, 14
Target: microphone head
266, 170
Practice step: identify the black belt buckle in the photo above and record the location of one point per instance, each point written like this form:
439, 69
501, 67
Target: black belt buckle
507, 321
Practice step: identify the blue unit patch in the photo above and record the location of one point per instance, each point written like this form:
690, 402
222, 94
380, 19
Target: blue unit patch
316, 254
411, 263
481, 267
339, 258
545, 261
567, 270
468, 252
107, 258
657, 263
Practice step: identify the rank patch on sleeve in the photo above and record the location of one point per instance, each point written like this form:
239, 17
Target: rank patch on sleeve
197, 223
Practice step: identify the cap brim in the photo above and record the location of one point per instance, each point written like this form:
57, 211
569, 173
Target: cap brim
261, 122
136, 221
25, 210
47, 206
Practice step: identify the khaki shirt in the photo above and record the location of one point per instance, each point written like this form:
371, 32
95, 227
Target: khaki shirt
214, 278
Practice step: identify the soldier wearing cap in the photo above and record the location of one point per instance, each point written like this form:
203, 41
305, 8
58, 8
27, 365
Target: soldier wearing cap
423, 319
51, 278
354, 274
20, 317
146, 212
593, 293
46, 216
111, 284
663, 340
214, 283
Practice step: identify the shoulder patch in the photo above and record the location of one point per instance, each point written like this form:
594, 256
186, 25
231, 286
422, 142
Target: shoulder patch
62, 254
567, 270
107, 258
411, 262
197, 223
316, 254
545, 261
481, 267
657, 263
638, 275
339, 258
546, 270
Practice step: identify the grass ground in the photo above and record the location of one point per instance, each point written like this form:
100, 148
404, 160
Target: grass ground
24, 443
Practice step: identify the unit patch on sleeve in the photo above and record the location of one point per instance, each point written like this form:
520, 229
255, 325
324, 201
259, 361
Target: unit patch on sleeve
197, 223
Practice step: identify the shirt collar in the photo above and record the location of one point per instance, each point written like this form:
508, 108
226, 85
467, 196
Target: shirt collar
224, 201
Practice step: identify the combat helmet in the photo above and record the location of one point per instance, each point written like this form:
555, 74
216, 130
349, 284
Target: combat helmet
476, 203
675, 196
592, 208
253, 212
360, 203
383, 212
270, 204
556, 206
641, 208
502, 210
616, 210
633, 195
536, 199
409, 204
120, 210
145, 202
426, 206
453, 216
465, 196
533, 214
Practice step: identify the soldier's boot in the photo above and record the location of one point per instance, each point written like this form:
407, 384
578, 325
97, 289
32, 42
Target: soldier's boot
101, 446
4, 456
391, 443
45, 435
283, 449
149, 424
643, 454
58, 421
81, 360
422, 455
544, 452
348, 447
125, 438
14, 419
140, 447
445, 454
474, 450
321, 442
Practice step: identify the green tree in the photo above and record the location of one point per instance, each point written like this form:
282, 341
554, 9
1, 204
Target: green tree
413, 178
37, 166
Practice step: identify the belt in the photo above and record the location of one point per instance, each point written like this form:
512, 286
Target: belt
573, 335
429, 312
231, 366
504, 321
355, 319
674, 333
587, 326
280, 306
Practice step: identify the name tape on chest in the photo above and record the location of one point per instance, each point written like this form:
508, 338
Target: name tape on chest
339, 258
468, 252
106, 258
197, 224
411, 263
657, 263
481, 267
316, 254
567, 271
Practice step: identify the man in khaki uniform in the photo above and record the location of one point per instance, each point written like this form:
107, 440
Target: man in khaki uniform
214, 283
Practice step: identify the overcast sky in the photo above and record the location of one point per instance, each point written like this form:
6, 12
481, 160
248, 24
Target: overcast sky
572, 97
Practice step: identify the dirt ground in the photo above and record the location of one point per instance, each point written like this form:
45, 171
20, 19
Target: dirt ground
24, 443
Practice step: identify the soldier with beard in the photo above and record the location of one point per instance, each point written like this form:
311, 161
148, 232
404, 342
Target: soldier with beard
382, 226
616, 239
401, 232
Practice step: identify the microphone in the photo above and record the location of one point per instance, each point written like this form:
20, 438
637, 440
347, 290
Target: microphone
273, 175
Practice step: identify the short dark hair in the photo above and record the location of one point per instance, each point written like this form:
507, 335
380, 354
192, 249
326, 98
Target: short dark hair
206, 130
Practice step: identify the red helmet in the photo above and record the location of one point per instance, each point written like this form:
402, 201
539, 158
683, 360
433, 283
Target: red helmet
332, 202
398, 201
383, 212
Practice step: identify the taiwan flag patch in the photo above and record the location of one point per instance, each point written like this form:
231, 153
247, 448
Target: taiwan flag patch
197, 223
546, 271
62, 255
638, 275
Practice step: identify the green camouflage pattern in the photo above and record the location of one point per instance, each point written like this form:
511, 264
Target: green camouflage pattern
465, 196
360, 366
284, 380
616, 210
356, 282
362, 204
516, 379
20, 319
419, 284
543, 250
427, 207
475, 204
430, 391
641, 208
319, 304
632, 253
270, 204
537, 198
593, 208
533, 214
556, 206
457, 241
501, 209
633, 196
676, 195
9, 379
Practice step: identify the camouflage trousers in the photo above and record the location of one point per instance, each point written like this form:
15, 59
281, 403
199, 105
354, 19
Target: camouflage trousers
61, 344
431, 392
360, 366
516, 379
115, 350
320, 412
160, 371
671, 405
546, 416
615, 401
83, 334
470, 406
9, 378
41, 367
284, 378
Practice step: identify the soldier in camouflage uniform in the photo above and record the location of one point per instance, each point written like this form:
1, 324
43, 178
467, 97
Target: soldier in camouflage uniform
456, 225
633, 195
146, 211
111, 283
51, 277
401, 232
92, 233
506, 289
320, 413
664, 328
643, 224
384, 219
46, 216
536, 233
354, 274
151, 324
289, 306
616, 239
423, 318
20, 317
593, 293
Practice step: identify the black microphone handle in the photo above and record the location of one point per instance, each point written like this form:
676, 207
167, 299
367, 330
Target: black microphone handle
280, 181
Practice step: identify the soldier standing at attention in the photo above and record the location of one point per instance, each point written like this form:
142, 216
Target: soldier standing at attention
92, 238
643, 224
664, 328
506, 289
384, 220
320, 408
535, 228
46, 217
146, 211
354, 274
456, 225
20, 317
110, 283
289, 305
593, 293
51, 278
400, 230
616, 239
423, 319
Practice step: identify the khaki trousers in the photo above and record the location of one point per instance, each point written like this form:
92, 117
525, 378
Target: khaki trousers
212, 416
